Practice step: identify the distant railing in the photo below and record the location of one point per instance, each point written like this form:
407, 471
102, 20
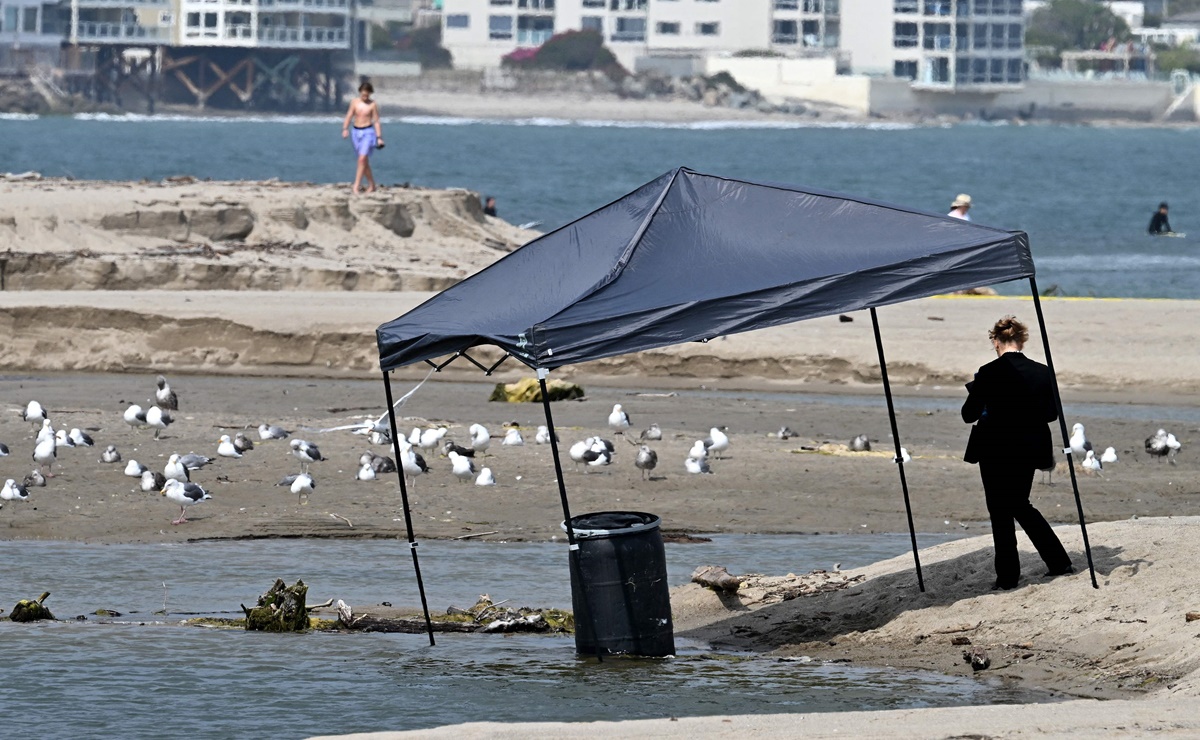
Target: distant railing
533, 38
123, 3
91, 31
303, 36
243, 31
628, 36
305, 3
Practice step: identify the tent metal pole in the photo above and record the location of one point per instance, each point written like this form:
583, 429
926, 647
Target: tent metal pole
412, 542
1062, 423
562, 495
887, 392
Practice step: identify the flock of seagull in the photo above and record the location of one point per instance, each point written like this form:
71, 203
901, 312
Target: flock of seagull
174, 481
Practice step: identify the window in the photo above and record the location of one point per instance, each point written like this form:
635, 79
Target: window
592, 23
193, 20
1014, 35
1016, 71
979, 34
787, 4
904, 35
593, 3
536, 4
29, 19
210, 20
812, 6
904, 6
10, 18
997, 71
937, 7
500, 27
708, 29
628, 5
630, 29
500, 2
458, 20
905, 70
784, 32
667, 28
937, 36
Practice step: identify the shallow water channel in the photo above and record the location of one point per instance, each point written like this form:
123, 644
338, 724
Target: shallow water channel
144, 676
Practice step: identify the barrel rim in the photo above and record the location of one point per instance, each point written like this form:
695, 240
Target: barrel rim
654, 522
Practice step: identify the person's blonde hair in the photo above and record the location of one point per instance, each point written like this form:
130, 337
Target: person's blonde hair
1009, 331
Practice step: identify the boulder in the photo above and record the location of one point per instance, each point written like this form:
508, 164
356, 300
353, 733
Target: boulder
221, 223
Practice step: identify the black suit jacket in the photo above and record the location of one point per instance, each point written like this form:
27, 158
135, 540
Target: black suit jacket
1012, 401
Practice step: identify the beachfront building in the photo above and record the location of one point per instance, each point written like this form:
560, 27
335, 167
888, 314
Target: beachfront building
278, 53
31, 33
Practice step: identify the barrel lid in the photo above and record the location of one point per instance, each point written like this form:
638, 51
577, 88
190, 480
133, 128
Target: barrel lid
612, 523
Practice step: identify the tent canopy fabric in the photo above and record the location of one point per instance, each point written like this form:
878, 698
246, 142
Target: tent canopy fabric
690, 257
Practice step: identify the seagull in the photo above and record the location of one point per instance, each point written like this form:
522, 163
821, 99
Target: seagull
192, 461
861, 443
158, 418
904, 456
485, 478
380, 438
696, 467
462, 467
242, 443
577, 451
448, 446
1091, 463
152, 480
412, 463
226, 448
176, 470
184, 494
378, 463
1079, 442
302, 486
46, 432
110, 455
44, 454
785, 432
164, 396
34, 413
716, 442
134, 469
618, 420
1109, 456
62, 440
513, 438
431, 437
81, 439
270, 431
698, 451
135, 416
599, 453
34, 478
654, 433
366, 472
543, 435
14, 491
646, 460
3, 450
306, 453
480, 437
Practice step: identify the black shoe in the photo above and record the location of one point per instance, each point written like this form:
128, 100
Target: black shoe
1060, 571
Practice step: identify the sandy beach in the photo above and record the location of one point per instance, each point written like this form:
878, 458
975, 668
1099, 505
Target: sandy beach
257, 329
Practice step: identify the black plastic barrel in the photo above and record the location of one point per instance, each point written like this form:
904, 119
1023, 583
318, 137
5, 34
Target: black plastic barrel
619, 585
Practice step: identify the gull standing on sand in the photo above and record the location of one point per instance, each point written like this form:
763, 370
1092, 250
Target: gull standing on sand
302, 486
152, 480
184, 494
134, 469
176, 469
306, 452
46, 432
462, 467
904, 456
164, 396
225, 447
412, 463
110, 455
696, 467
429, 438
652, 434
270, 431
513, 438
81, 439
44, 454
14, 491
34, 413
543, 435
618, 420
1079, 441
717, 442
577, 451
646, 460
135, 416
485, 478
480, 437
158, 419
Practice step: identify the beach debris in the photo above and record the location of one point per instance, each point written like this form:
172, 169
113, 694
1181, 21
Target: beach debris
28, 610
977, 658
716, 577
528, 390
960, 640
845, 319
485, 616
1192, 616
280, 609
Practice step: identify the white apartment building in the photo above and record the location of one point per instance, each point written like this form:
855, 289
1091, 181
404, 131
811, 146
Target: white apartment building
937, 44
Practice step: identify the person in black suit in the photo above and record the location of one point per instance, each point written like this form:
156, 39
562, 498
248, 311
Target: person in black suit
1011, 401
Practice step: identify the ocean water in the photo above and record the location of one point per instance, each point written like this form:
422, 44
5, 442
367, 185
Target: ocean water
1083, 193
141, 675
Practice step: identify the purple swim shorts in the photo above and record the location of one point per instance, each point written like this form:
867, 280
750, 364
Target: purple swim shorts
363, 139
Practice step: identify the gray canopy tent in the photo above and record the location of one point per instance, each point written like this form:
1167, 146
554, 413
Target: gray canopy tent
690, 257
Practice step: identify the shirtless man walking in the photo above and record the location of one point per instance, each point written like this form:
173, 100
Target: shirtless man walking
366, 134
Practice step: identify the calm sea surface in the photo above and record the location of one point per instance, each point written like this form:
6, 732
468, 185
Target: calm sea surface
1084, 194
145, 677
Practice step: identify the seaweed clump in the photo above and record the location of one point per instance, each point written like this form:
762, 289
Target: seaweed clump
28, 610
281, 609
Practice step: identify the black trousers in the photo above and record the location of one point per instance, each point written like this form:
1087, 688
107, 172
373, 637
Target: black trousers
1007, 489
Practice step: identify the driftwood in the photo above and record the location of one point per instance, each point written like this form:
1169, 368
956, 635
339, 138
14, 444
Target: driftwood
485, 616
716, 578
31, 611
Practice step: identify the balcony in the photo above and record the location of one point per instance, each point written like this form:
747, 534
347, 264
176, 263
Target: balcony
124, 3
116, 33
291, 36
293, 4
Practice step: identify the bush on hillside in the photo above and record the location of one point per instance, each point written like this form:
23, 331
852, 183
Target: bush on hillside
571, 51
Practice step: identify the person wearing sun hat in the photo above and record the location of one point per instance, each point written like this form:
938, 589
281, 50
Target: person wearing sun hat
960, 206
